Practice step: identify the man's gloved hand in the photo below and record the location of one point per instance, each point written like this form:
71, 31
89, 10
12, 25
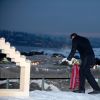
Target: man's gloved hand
66, 60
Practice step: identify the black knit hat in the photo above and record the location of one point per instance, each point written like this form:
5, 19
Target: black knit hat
73, 34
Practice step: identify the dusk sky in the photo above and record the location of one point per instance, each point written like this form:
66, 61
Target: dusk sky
51, 16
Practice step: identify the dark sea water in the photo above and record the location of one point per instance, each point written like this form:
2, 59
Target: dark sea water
46, 50
64, 51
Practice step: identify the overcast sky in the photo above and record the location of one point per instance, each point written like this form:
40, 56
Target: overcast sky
51, 16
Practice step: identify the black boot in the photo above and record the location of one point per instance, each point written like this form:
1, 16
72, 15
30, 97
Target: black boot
94, 92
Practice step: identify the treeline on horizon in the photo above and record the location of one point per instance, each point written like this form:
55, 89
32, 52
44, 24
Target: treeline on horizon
41, 40
34, 40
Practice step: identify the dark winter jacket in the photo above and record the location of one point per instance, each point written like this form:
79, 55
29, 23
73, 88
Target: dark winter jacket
83, 46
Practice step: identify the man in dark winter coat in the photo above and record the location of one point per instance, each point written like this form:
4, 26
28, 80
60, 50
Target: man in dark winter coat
83, 46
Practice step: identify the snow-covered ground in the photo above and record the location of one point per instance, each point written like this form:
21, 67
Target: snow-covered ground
44, 95
54, 94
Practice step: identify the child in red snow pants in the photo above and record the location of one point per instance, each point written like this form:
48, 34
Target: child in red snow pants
74, 79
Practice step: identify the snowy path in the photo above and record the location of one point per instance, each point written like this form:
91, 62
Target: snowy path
44, 95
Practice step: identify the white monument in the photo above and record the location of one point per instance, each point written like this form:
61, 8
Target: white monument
24, 64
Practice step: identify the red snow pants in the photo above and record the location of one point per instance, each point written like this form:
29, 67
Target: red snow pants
74, 79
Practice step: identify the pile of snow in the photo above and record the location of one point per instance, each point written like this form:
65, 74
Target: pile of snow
46, 86
44, 95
